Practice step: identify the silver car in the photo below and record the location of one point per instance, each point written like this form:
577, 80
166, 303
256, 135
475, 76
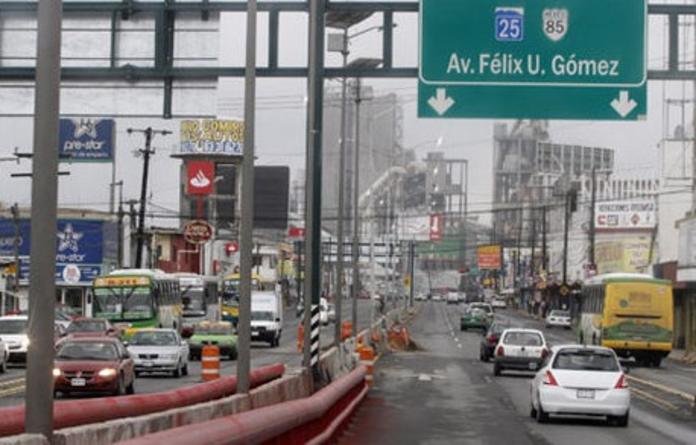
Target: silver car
159, 350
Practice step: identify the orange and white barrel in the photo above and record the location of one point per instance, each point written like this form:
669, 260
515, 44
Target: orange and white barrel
210, 363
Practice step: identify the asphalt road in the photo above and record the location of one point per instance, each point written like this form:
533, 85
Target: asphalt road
442, 394
12, 383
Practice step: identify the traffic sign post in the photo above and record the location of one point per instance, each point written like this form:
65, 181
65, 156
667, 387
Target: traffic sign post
551, 59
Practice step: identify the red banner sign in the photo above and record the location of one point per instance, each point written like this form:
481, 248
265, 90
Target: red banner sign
296, 232
437, 226
197, 232
200, 177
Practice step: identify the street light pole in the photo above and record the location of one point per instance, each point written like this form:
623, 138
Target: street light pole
356, 212
247, 204
341, 198
38, 418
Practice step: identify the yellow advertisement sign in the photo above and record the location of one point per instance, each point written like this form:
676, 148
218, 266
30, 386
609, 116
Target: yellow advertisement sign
627, 255
489, 257
212, 137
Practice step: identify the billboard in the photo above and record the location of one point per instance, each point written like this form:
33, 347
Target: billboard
437, 226
629, 255
489, 257
200, 177
211, 137
82, 248
86, 140
271, 193
629, 214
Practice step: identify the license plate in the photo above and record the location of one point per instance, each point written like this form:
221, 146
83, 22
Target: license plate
533, 366
148, 364
78, 382
586, 394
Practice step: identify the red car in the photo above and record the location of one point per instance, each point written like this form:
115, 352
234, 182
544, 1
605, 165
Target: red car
93, 365
91, 327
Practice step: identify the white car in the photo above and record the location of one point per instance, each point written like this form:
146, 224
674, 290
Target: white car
558, 318
159, 350
13, 331
520, 349
499, 303
581, 380
452, 298
437, 297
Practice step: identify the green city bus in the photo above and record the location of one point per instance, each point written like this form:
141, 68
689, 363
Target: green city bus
134, 299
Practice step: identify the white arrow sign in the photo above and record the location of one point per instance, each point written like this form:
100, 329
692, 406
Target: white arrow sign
440, 102
623, 105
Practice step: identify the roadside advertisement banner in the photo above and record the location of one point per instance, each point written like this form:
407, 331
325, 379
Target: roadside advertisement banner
81, 248
200, 177
489, 257
437, 226
630, 255
86, 140
212, 137
631, 214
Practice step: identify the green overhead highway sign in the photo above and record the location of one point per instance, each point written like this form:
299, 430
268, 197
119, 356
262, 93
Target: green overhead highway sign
542, 59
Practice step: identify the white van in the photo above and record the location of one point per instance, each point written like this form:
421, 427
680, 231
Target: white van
266, 317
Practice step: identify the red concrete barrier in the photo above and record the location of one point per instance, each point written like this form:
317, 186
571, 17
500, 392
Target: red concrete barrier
82, 412
315, 419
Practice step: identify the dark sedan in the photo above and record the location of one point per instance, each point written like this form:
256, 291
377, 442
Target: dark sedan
91, 327
93, 365
490, 340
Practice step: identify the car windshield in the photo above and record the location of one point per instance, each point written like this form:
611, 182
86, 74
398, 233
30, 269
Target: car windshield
154, 338
585, 360
87, 351
476, 312
13, 326
87, 326
262, 315
125, 303
193, 301
560, 314
484, 307
522, 339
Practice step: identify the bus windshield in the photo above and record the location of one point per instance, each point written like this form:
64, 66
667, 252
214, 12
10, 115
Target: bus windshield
123, 303
193, 300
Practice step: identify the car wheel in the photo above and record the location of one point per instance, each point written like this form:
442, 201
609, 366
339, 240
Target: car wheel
532, 412
130, 389
184, 370
120, 387
621, 421
463, 328
3, 366
177, 372
541, 416
497, 369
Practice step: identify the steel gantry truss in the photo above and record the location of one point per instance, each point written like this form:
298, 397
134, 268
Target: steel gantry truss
166, 12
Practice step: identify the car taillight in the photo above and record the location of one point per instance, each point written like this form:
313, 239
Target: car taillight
549, 379
500, 352
492, 339
621, 383
544, 353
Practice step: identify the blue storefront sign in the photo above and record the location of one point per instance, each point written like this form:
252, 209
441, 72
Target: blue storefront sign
83, 248
86, 140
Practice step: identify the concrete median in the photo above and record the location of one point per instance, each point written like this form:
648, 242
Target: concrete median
25, 439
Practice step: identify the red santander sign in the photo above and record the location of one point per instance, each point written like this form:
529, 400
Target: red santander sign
437, 226
197, 232
200, 176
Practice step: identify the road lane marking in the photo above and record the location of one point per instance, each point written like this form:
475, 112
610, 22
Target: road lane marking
653, 399
691, 398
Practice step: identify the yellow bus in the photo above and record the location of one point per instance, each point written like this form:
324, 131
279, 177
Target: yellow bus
230, 296
630, 313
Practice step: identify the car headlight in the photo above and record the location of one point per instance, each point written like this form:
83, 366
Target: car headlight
107, 372
26, 342
57, 372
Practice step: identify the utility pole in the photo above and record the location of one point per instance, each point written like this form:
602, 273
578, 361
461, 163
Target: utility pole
518, 266
146, 152
411, 269
544, 252
313, 166
356, 211
38, 417
17, 239
246, 225
591, 234
341, 197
